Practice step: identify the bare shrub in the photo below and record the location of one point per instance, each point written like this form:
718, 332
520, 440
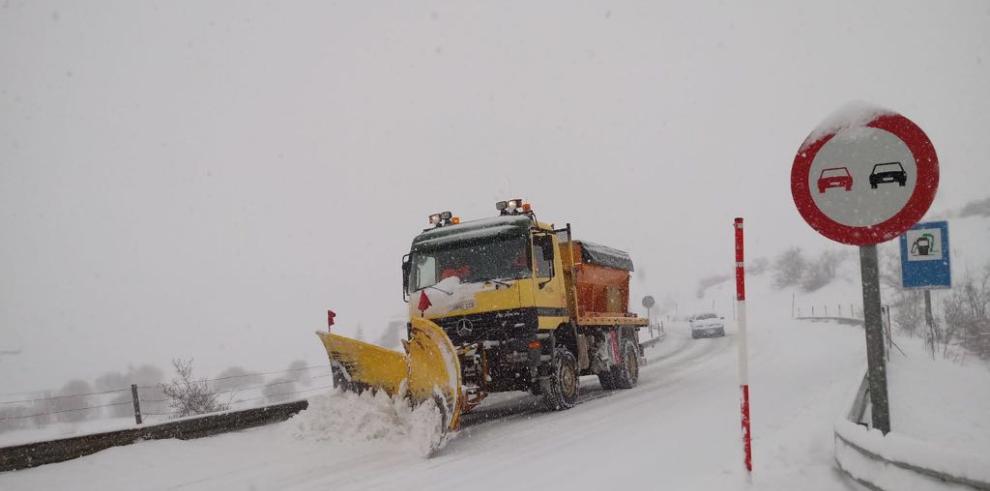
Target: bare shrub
236, 378
42, 409
909, 312
708, 282
72, 401
279, 390
822, 272
13, 417
115, 381
789, 268
298, 373
967, 315
979, 208
759, 266
187, 395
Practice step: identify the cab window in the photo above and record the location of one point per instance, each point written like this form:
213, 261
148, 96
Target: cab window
543, 256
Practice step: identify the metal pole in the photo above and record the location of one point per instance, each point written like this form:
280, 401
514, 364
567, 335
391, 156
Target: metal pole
743, 348
649, 319
930, 320
876, 371
137, 404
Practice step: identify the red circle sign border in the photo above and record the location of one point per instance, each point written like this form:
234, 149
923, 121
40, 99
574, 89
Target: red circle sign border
917, 205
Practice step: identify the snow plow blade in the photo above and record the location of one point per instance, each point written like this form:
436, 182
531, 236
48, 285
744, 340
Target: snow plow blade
430, 368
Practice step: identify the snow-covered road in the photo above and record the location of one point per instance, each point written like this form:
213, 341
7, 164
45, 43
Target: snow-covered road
678, 429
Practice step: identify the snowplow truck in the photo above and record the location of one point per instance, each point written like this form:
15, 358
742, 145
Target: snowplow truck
506, 303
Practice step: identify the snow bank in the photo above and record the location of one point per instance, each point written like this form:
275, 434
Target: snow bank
893, 456
938, 413
939, 401
851, 115
347, 417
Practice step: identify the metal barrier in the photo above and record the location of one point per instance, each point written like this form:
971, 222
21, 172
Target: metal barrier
40, 453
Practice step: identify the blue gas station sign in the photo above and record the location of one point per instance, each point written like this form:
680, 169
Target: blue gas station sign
925, 256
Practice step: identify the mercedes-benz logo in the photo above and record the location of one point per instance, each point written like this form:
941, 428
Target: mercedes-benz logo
464, 327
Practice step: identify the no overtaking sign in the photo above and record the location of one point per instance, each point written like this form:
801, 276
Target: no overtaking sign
866, 179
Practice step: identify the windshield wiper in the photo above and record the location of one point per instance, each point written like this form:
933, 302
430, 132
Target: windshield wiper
499, 282
439, 289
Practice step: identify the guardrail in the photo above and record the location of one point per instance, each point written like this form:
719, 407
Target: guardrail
895, 462
852, 321
652, 341
40, 453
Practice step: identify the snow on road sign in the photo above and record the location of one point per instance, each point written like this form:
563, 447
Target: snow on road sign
925, 256
866, 181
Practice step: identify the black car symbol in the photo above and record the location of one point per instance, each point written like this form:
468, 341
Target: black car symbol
888, 172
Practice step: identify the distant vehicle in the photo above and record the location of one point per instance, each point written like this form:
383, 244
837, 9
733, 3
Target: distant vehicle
888, 172
707, 325
835, 177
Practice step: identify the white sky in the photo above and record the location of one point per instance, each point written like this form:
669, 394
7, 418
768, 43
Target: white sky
205, 178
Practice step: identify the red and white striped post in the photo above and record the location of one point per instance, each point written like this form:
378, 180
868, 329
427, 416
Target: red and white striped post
743, 348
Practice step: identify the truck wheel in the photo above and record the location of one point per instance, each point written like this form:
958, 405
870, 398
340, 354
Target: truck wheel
607, 380
626, 374
560, 389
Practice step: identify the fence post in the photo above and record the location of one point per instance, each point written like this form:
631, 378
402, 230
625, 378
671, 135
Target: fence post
137, 404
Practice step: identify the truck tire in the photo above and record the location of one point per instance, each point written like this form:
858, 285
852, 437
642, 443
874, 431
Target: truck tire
626, 374
560, 389
607, 380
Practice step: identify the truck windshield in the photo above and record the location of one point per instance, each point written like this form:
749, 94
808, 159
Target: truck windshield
499, 259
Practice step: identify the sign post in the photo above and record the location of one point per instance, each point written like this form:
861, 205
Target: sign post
743, 347
864, 178
648, 303
925, 264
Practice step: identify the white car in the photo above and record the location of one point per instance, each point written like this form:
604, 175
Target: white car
707, 325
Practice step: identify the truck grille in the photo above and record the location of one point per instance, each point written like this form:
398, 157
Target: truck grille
501, 325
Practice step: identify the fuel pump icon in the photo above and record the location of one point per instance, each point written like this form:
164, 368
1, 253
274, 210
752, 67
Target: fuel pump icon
923, 246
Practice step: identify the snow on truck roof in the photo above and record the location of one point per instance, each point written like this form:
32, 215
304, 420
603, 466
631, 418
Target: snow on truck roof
485, 229
604, 256
472, 230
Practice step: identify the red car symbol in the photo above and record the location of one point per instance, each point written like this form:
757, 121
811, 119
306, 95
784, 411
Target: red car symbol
835, 177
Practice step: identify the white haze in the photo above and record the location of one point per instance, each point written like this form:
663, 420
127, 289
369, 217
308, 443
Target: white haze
204, 179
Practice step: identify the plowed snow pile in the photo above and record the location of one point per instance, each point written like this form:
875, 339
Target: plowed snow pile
349, 417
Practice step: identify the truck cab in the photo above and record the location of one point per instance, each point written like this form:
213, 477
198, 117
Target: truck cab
505, 291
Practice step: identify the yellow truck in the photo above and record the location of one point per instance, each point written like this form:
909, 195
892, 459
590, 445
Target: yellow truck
506, 303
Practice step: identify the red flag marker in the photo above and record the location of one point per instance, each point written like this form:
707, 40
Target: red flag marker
424, 303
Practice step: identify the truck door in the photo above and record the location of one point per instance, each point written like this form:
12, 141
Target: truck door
550, 294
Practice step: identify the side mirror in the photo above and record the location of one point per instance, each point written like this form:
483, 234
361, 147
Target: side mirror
406, 267
546, 247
